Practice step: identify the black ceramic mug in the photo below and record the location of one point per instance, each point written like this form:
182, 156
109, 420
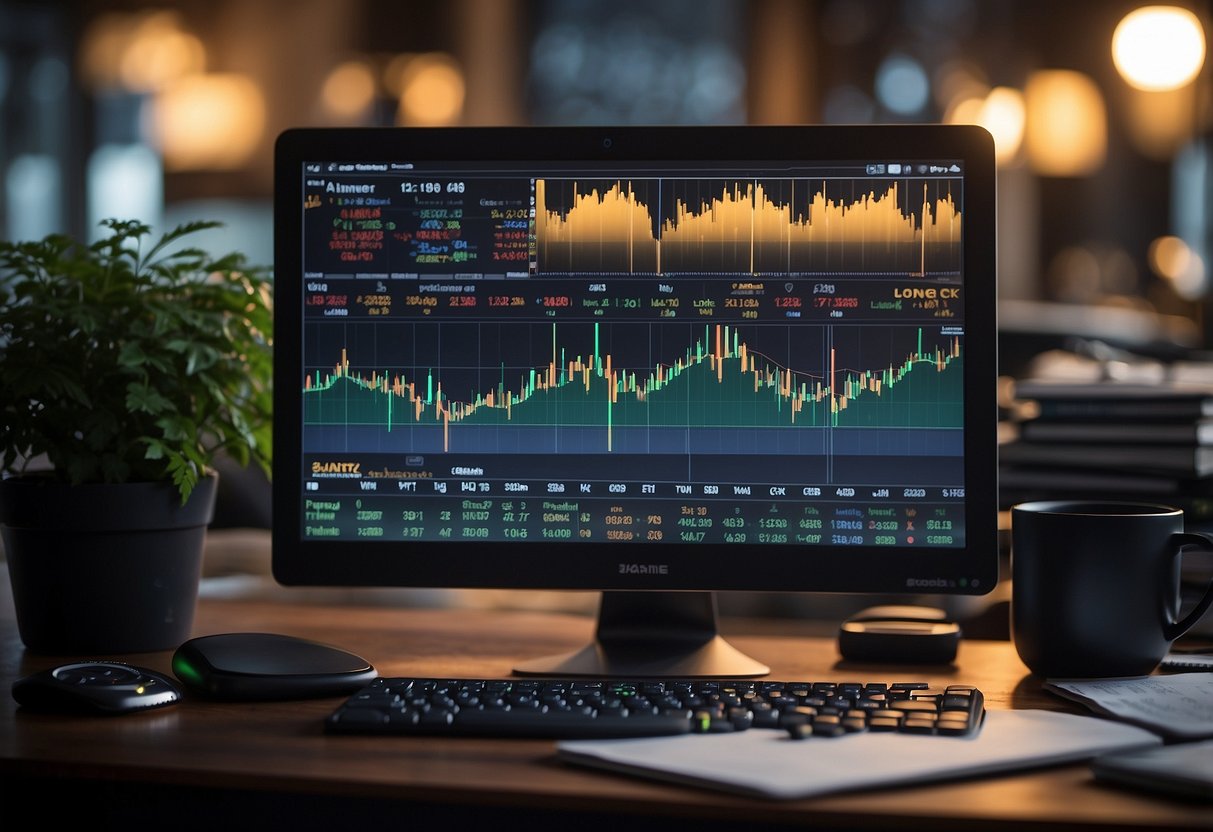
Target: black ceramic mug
1095, 586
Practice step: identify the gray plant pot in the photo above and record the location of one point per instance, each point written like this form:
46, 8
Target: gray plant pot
104, 569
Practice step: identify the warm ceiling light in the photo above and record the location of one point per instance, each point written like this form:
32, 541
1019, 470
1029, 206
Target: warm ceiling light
209, 122
1159, 48
966, 109
432, 90
1066, 129
1001, 112
139, 53
349, 90
1171, 258
159, 53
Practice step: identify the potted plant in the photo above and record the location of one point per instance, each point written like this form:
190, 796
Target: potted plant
126, 368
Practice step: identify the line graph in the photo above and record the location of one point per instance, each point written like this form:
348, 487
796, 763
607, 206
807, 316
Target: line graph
721, 381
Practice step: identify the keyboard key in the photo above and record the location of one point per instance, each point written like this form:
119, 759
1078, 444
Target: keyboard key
800, 730
854, 725
915, 705
918, 725
884, 722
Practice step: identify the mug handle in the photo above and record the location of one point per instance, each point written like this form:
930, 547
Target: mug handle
1179, 541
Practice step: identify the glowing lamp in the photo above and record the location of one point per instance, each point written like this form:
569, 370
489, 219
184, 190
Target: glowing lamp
1066, 132
1001, 112
209, 122
1157, 48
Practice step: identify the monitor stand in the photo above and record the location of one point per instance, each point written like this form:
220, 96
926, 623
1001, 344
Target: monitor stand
652, 634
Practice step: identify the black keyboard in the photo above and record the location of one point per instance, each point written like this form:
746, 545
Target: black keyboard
594, 708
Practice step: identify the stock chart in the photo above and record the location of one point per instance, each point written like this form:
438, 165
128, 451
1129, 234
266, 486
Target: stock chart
638, 356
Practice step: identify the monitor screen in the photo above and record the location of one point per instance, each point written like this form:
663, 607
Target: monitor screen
642, 361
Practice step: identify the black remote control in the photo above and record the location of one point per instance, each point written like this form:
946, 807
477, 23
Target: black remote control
99, 687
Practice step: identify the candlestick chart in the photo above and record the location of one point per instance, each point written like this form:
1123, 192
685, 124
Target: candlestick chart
621, 387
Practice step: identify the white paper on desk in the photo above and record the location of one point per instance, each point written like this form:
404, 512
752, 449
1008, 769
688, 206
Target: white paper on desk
1179, 705
768, 763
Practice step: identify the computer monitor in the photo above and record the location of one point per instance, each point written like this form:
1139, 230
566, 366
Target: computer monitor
658, 363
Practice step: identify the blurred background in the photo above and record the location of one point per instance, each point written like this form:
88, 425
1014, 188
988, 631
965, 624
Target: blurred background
1100, 110
1101, 113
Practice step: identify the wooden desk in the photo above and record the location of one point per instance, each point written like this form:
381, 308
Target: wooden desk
214, 765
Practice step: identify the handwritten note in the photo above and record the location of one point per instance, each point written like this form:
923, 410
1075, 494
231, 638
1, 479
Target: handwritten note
1178, 706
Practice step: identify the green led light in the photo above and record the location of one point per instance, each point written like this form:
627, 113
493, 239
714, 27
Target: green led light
185, 672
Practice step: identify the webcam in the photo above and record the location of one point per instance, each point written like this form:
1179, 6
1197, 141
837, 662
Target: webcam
607, 142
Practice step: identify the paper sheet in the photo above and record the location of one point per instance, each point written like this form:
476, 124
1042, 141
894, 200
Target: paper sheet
1177, 706
768, 763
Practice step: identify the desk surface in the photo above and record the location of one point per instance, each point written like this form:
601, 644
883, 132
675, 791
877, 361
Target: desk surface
262, 761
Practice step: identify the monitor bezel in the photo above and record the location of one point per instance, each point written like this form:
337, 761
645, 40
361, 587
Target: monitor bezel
971, 569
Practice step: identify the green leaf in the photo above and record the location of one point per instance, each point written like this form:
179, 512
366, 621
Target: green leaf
199, 357
155, 448
132, 355
177, 429
183, 474
140, 398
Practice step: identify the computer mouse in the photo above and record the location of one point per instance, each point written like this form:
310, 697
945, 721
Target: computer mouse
251, 666
97, 687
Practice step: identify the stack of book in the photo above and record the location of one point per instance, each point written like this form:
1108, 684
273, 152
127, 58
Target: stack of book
1112, 440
